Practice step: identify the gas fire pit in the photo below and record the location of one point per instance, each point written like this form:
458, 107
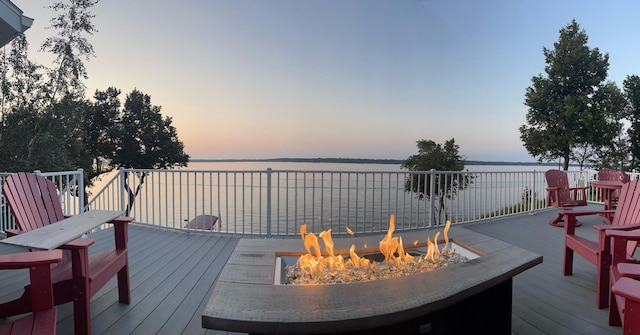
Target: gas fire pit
468, 297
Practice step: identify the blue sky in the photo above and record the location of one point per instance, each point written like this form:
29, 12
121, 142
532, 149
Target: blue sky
340, 78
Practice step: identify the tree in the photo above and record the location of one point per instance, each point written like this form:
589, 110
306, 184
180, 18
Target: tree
564, 111
608, 104
69, 46
43, 109
50, 140
23, 83
631, 86
432, 155
48, 125
143, 138
103, 129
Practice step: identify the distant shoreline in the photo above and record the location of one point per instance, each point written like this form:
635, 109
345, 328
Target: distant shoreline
353, 161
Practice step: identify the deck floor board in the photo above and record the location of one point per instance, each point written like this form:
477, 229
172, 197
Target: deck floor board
172, 274
543, 298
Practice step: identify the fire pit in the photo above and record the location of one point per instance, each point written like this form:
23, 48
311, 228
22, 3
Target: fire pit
469, 297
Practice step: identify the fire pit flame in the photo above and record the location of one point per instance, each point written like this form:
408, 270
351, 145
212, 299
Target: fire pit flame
313, 263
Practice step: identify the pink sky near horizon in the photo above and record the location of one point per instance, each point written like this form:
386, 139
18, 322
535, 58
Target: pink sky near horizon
356, 79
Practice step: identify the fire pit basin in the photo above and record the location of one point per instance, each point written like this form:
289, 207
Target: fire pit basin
282, 262
473, 296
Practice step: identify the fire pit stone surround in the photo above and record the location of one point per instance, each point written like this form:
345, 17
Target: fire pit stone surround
474, 295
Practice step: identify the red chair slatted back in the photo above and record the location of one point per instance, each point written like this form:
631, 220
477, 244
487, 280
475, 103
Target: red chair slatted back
559, 179
628, 211
33, 200
611, 174
615, 175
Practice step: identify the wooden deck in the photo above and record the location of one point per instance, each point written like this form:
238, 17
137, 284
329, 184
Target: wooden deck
172, 275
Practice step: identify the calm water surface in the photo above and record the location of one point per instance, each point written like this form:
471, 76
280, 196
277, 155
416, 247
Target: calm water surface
349, 167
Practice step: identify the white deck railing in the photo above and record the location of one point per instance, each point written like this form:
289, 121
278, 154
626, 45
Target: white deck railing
277, 202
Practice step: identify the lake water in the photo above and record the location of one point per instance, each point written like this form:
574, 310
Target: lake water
235, 166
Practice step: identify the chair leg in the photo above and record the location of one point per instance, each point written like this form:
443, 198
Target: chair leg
124, 291
82, 292
568, 261
82, 311
614, 311
602, 285
631, 322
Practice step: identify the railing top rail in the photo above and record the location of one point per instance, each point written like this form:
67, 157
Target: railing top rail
315, 171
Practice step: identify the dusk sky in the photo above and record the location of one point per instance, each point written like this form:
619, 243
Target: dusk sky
340, 78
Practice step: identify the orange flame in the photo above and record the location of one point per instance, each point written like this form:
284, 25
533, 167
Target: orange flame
391, 247
328, 241
430, 250
446, 236
387, 243
350, 232
356, 260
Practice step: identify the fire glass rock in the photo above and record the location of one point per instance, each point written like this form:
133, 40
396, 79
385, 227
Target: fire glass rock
375, 271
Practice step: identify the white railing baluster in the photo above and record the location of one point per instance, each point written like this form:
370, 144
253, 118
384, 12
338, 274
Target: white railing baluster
360, 200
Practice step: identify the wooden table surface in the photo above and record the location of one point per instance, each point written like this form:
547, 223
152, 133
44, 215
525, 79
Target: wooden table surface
56, 234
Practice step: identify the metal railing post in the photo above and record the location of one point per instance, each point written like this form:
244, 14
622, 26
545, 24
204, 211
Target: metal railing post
269, 171
122, 200
533, 193
81, 194
432, 188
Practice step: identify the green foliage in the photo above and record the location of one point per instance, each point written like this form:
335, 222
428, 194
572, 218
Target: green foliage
69, 45
432, 155
438, 157
631, 86
43, 110
571, 108
609, 104
48, 125
50, 140
136, 136
147, 140
103, 129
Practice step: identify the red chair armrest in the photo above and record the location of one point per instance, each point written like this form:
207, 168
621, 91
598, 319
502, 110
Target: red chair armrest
122, 219
612, 230
120, 230
29, 259
579, 188
627, 288
79, 243
630, 270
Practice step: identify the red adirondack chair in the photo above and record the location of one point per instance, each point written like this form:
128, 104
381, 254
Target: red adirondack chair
43, 319
560, 195
615, 175
625, 217
625, 291
627, 295
34, 203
